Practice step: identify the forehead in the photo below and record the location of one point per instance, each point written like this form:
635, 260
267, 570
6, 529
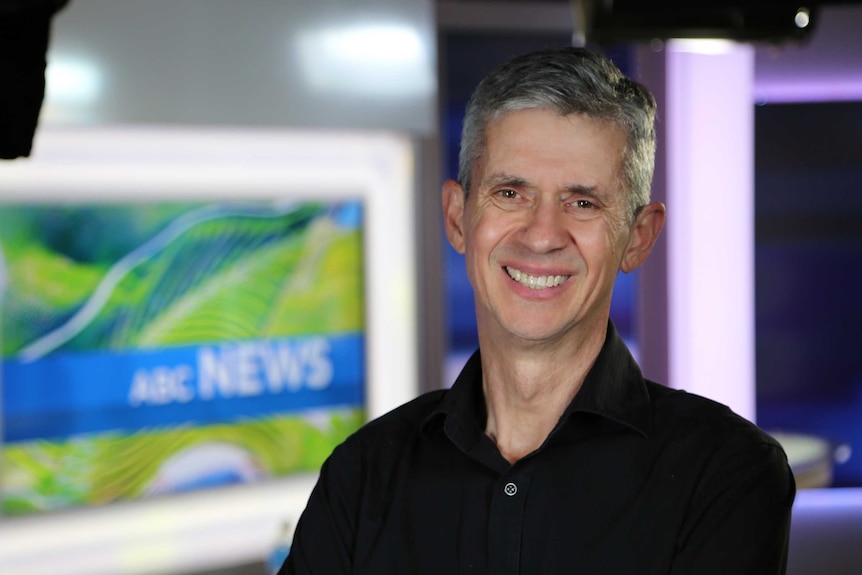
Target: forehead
536, 143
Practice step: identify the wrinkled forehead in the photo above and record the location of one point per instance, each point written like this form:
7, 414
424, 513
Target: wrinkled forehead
525, 128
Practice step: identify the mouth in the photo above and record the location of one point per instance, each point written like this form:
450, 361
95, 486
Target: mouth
535, 282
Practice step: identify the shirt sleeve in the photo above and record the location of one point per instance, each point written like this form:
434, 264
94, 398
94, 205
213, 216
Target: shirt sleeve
323, 539
739, 518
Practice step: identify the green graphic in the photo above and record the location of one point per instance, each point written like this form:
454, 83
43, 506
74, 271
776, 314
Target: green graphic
151, 276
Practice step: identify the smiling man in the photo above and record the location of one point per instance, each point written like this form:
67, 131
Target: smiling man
551, 453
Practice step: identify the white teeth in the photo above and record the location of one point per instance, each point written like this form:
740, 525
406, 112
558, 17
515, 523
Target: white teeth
535, 282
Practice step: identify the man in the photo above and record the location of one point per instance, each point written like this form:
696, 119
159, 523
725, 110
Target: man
551, 453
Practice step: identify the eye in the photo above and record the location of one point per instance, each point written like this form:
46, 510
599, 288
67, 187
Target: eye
581, 204
507, 193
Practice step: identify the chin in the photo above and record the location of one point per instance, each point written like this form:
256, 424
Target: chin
532, 332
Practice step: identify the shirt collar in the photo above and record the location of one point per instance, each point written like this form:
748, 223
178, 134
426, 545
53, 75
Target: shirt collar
463, 407
614, 389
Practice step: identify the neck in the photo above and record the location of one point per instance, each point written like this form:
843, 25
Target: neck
527, 388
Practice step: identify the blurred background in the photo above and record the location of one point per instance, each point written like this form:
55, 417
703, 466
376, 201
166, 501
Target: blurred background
221, 251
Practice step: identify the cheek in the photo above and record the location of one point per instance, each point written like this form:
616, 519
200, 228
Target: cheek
481, 245
602, 249
615, 239
484, 237
476, 273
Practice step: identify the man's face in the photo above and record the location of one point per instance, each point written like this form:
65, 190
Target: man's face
544, 229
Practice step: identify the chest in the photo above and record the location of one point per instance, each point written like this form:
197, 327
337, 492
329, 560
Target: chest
613, 507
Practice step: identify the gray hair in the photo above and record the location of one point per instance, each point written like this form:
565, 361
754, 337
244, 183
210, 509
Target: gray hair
567, 80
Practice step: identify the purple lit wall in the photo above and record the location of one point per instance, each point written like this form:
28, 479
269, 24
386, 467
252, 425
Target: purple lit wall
710, 190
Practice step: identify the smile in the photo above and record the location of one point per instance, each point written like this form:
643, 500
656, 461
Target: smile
535, 282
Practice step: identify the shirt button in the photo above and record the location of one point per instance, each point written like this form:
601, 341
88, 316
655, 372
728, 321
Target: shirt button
510, 489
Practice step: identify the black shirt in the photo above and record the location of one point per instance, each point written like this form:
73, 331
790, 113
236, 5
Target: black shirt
636, 478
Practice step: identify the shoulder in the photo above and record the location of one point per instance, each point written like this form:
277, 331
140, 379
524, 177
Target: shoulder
715, 442
679, 412
698, 429
733, 488
737, 484
361, 470
406, 418
386, 436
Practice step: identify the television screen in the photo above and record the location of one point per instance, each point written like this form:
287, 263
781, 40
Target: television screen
191, 318
153, 347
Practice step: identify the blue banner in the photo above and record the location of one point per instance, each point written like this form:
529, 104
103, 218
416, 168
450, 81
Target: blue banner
68, 393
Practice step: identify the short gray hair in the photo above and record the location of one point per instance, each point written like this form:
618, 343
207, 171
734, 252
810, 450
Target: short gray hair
567, 80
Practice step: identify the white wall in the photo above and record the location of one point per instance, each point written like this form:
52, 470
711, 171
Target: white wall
308, 63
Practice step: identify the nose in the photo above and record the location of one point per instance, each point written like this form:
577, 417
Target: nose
545, 227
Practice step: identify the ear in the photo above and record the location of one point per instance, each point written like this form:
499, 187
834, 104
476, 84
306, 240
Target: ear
644, 233
453, 214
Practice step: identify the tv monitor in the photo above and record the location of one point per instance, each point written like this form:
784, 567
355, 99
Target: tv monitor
184, 309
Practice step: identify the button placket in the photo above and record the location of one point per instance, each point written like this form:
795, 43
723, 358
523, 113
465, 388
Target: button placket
506, 520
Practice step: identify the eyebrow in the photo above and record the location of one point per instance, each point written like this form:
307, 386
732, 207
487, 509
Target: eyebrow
582, 190
504, 179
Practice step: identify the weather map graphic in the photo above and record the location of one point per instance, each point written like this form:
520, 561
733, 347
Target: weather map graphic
153, 348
